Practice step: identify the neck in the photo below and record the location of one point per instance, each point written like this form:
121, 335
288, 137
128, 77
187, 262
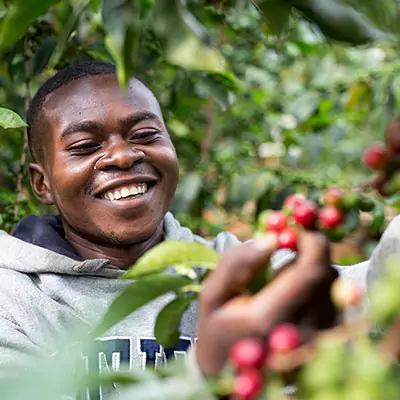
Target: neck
121, 256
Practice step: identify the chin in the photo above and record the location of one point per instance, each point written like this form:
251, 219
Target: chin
129, 238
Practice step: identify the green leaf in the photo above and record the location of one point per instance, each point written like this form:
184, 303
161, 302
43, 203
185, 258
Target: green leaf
276, 13
42, 56
122, 23
339, 21
65, 34
136, 295
378, 214
304, 105
188, 192
185, 38
10, 119
20, 15
211, 86
243, 188
166, 329
170, 253
352, 220
95, 5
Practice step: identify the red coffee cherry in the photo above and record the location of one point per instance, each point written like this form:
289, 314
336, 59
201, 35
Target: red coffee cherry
283, 338
276, 221
332, 196
287, 238
248, 352
330, 217
376, 156
247, 384
306, 214
293, 201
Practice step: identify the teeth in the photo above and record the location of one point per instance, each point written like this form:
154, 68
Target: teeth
133, 190
125, 191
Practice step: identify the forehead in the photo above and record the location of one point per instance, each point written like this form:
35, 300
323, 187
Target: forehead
97, 98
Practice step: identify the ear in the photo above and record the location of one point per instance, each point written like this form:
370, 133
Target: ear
40, 184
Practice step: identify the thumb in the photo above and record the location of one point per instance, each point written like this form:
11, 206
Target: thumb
235, 270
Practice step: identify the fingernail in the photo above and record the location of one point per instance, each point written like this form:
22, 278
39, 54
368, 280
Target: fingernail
267, 241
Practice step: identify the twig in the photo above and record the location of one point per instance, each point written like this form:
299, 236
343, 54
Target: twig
206, 143
25, 147
370, 182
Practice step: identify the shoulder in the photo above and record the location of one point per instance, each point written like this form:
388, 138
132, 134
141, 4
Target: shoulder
174, 231
388, 245
221, 243
357, 273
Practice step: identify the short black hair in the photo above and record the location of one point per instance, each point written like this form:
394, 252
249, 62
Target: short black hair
61, 78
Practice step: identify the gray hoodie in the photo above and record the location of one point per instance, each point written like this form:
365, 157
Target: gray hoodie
44, 294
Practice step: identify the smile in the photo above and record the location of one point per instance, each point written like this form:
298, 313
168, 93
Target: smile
125, 192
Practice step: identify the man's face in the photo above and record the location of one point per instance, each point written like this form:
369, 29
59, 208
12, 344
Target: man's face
111, 165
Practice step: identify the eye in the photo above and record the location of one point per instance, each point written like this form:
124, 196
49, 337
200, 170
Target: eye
145, 135
84, 148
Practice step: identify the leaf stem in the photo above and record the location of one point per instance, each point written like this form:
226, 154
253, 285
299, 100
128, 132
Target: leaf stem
207, 142
195, 288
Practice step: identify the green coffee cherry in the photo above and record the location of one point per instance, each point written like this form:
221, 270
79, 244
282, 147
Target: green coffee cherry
351, 200
366, 204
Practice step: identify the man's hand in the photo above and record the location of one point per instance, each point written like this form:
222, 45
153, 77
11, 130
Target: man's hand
300, 293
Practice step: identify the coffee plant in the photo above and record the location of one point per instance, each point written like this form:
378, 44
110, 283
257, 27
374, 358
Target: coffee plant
261, 87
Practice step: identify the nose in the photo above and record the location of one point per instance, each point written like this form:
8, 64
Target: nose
119, 154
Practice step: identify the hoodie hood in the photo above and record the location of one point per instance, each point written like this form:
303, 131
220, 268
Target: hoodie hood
39, 246
45, 231
388, 245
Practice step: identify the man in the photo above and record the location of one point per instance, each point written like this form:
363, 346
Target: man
106, 161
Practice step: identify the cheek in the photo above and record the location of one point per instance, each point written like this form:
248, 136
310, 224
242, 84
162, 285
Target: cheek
69, 180
168, 163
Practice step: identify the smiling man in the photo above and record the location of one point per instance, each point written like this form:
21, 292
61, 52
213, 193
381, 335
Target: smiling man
105, 160
111, 169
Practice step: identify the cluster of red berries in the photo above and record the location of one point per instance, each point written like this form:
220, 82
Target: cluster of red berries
386, 160
300, 212
250, 358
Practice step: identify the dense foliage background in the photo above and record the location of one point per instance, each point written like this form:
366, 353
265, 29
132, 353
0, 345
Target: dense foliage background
287, 98
276, 103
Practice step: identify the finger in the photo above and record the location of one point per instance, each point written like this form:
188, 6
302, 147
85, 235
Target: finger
313, 255
235, 270
296, 285
319, 312
313, 252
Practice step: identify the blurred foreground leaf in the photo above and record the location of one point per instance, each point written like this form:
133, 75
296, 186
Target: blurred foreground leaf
187, 41
166, 330
170, 253
20, 14
136, 295
340, 21
276, 13
121, 20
